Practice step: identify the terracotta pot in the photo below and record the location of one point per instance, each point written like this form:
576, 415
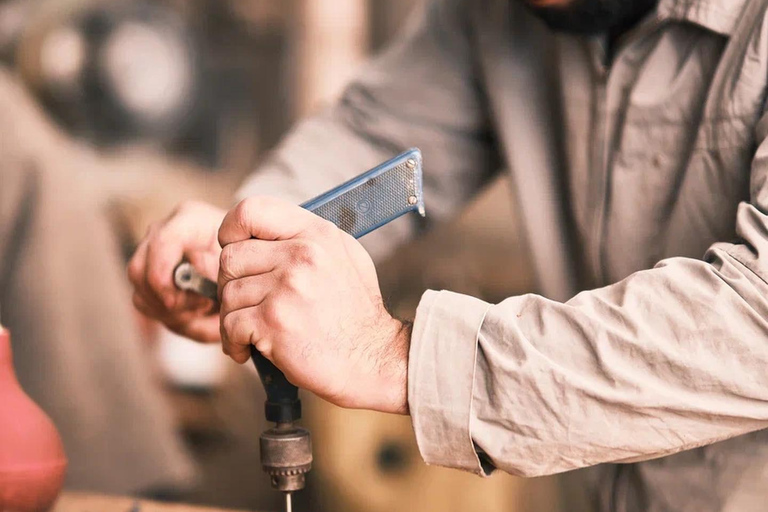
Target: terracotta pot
32, 460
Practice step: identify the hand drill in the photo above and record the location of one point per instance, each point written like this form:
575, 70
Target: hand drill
358, 206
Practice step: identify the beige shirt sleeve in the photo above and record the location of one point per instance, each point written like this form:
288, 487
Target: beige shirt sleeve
421, 92
668, 359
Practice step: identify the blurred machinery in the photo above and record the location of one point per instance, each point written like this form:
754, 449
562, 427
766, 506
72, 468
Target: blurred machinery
179, 76
113, 71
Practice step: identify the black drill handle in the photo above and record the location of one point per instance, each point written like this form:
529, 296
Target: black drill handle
283, 404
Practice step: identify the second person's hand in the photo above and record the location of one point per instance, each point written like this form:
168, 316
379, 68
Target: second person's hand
190, 233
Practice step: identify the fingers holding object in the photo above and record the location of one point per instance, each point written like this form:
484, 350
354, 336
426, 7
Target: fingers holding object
245, 292
265, 218
163, 254
137, 270
196, 323
149, 272
242, 328
247, 258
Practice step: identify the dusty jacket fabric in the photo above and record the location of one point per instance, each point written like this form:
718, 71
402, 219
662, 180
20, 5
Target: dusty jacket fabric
642, 178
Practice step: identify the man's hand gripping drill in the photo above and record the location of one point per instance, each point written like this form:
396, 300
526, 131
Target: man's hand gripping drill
295, 291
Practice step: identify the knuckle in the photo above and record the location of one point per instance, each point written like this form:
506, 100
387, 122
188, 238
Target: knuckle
326, 228
157, 247
249, 207
240, 211
244, 208
273, 316
295, 281
156, 278
238, 328
152, 229
228, 325
230, 292
227, 262
264, 346
135, 270
240, 357
305, 253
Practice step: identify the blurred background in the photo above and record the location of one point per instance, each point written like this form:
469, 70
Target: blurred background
151, 102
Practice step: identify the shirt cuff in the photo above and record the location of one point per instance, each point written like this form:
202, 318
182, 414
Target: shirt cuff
441, 369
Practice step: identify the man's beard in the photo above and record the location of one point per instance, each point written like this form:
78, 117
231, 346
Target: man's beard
592, 16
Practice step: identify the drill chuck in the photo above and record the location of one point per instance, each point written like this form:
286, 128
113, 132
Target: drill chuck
286, 456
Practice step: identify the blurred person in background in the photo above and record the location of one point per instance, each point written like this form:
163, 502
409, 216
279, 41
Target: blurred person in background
634, 133
76, 343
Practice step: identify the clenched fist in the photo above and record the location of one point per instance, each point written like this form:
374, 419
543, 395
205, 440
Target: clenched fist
306, 295
190, 232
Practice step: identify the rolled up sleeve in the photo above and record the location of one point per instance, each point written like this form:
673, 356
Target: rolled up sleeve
440, 377
668, 359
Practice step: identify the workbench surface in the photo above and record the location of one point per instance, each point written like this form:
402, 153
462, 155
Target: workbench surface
85, 502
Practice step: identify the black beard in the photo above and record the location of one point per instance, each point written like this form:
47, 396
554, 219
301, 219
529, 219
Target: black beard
593, 16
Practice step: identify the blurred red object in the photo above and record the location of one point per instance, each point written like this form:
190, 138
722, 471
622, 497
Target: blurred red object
32, 460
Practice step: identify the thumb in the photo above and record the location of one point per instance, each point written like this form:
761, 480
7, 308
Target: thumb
265, 218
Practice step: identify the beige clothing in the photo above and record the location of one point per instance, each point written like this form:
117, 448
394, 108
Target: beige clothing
644, 181
64, 296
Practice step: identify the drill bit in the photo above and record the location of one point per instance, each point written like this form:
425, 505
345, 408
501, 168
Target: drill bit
288, 502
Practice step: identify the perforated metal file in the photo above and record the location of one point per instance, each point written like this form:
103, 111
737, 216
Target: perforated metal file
374, 198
